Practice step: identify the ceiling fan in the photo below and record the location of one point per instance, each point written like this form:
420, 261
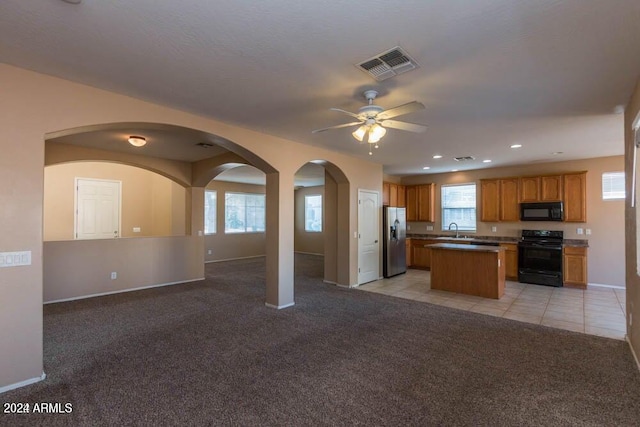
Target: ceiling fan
374, 120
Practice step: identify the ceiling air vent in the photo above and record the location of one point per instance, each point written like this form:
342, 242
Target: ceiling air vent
463, 158
388, 64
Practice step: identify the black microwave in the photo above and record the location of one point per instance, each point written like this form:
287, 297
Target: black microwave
544, 211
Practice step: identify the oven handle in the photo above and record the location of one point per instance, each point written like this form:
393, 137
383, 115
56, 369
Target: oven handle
537, 245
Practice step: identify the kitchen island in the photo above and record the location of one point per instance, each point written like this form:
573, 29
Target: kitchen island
468, 269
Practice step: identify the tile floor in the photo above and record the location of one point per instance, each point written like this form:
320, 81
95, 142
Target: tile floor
596, 311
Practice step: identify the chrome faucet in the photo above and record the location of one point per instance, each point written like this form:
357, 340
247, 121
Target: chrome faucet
453, 223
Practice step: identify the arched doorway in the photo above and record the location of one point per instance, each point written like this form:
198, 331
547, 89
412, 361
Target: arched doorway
322, 218
191, 158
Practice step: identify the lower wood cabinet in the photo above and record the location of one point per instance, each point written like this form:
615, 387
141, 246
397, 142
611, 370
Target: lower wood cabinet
575, 267
511, 260
421, 256
408, 252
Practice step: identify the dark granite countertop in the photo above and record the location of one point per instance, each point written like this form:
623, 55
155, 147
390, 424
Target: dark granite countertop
462, 247
491, 239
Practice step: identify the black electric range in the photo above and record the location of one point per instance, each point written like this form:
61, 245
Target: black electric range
540, 257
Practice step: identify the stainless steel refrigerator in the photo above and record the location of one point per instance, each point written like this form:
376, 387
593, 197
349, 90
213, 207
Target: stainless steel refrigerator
395, 233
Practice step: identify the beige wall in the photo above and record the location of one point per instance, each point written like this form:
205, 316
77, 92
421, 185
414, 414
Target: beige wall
81, 268
605, 219
631, 241
308, 242
149, 201
235, 245
35, 105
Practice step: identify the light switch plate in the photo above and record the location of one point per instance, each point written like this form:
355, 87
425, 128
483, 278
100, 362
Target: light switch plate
579, 231
429, 227
587, 231
15, 259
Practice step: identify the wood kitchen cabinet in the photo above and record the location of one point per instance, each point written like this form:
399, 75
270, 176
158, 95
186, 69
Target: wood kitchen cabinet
499, 200
420, 200
530, 189
401, 196
393, 195
421, 256
575, 267
510, 260
547, 188
551, 188
408, 252
490, 200
575, 197
385, 194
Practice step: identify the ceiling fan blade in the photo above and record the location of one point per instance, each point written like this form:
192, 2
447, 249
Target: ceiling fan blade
411, 127
345, 112
337, 126
407, 108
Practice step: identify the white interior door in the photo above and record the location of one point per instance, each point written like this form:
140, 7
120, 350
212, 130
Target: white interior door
97, 209
368, 236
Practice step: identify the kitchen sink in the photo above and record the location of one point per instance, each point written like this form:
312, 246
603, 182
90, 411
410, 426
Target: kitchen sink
455, 238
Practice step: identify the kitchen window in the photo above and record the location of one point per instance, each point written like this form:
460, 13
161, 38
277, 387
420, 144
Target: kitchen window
613, 186
209, 212
244, 213
459, 206
313, 213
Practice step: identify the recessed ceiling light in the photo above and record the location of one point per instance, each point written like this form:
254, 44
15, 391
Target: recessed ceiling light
555, 153
516, 145
454, 170
437, 156
426, 167
137, 141
486, 161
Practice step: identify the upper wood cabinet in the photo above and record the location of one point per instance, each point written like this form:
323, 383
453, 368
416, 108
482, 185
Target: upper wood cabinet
509, 207
499, 200
541, 188
426, 203
530, 189
401, 196
551, 188
420, 202
490, 200
385, 194
575, 197
393, 195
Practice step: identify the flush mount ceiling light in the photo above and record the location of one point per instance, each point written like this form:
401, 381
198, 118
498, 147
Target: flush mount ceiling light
516, 145
137, 141
426, 168
486, 161
437, 156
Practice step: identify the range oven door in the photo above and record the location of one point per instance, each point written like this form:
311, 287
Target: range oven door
540, 263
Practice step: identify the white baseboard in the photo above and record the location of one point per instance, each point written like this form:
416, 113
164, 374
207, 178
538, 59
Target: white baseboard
122, 291
23, 383
234, 259
280, 307
602, 285
635, 356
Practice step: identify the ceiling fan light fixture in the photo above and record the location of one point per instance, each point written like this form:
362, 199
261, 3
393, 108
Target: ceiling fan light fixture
137, 141
360, 132
376, 133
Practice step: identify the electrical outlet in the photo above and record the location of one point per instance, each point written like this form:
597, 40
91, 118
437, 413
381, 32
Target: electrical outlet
408, 227
136, 229
114, 275
579, 231
587, 231
494, 229
429, 227
209, 252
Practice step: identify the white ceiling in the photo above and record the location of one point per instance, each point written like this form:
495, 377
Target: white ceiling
547, 74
